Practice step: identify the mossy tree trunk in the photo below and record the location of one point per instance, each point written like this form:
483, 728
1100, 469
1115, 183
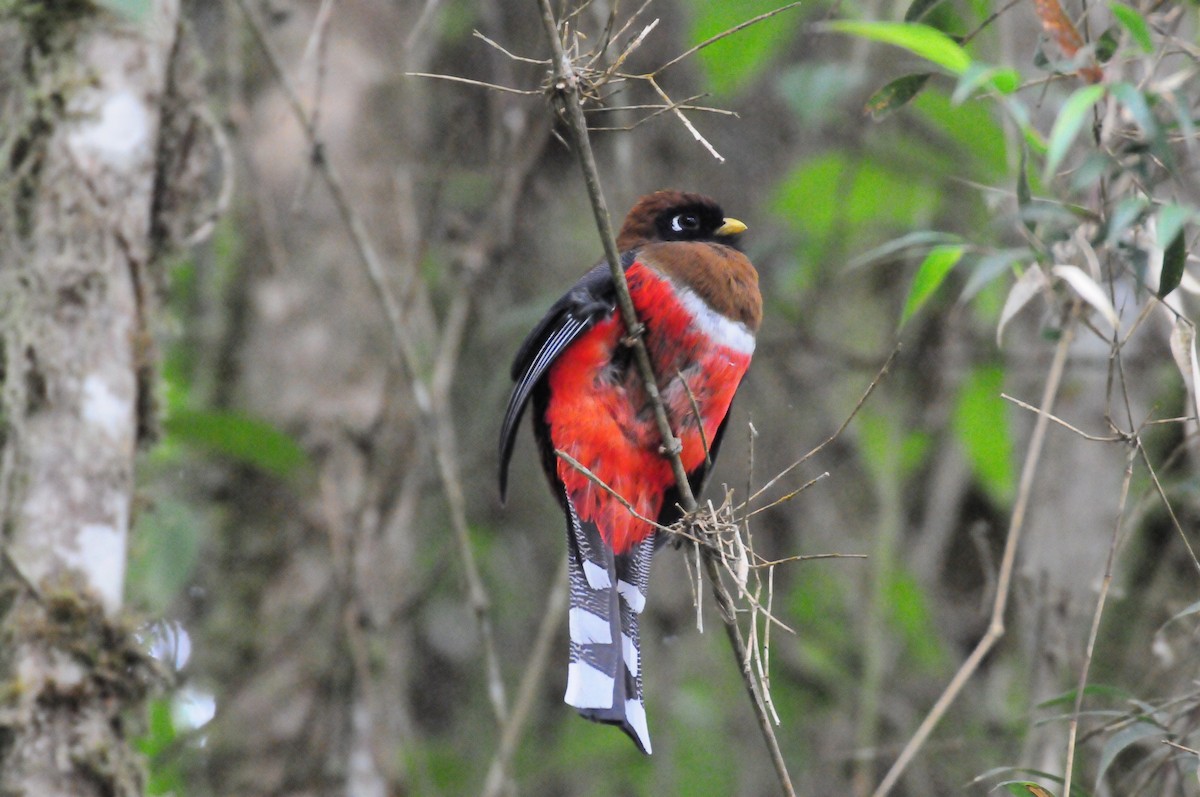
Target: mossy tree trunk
79, 148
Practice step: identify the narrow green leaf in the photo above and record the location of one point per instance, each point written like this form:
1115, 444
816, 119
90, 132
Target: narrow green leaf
912, 240
241, 437
1170, 221
1026, 788
929, 43
1001, 79
919, 8
1129, 96
895, 95
1066, 127
1113, 693
989, 267
1121, 740
930, 274
1174, 257
1106, 44
1024, 195
1132, 20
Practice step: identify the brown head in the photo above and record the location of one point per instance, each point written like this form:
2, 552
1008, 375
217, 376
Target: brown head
688, 238
677, 216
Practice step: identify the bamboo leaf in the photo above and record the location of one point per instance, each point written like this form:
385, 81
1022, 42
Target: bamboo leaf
241, 437
930, 274
1030, 284
923, 40
1174, 258
1118, 742
1066, 126
1088, 290
1132, 21
895, 95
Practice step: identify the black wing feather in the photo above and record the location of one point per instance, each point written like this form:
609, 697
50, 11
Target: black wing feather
589, 300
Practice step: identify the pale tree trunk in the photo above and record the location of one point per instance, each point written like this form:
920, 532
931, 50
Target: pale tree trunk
81, 93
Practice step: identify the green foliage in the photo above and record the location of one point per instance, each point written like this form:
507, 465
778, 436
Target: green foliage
883, 445
923, 40
1135, 23
834, 198
1066, 127
896, 94
158, 745
981, 425
911, 616
240, 437
930, 274
734, 61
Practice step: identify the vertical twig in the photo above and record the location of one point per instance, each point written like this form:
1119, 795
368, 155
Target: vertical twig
566, 93
1004, 579
535, 668
1091, 643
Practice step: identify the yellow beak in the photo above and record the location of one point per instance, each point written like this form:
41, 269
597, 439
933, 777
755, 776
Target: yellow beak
731, 227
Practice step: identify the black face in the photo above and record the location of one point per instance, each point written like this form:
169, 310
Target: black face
694, 222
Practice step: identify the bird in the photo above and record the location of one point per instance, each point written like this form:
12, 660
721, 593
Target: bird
697, 298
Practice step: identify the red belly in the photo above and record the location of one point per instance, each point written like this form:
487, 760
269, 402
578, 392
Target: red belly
599, 413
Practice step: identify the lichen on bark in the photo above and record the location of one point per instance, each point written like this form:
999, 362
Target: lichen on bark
82, 89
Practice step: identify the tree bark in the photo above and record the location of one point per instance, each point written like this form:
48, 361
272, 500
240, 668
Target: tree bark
81, 96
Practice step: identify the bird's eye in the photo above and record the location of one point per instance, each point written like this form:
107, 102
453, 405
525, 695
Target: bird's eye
685, 222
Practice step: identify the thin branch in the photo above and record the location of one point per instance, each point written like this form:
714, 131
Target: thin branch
470, 82
674, 108
531, 682
883, 371
566, 94
1116, 438
1003, 581
714, 39
1095, 630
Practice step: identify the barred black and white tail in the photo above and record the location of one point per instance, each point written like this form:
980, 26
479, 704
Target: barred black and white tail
608, 592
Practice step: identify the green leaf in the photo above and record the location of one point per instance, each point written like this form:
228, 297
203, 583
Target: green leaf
241, 437
929, 43
1117, 743
1024, 195
1025, 788
930, 274
1129, 96
990, 267
1113, 693
919, 8
1002, 79
1174, 257
912, 240
1171, 219
973, 128
981, 426
1135, 23
1066, 126
895, 95
734, 61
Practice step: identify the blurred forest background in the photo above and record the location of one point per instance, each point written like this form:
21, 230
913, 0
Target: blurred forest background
351, 255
